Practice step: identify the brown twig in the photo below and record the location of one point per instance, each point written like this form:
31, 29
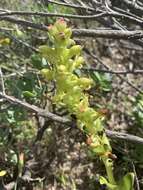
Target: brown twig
33, 108
87, 17
25, 23
15, 39
56, 118
134, 6
75, 6
124, 136
114, 72
113, 34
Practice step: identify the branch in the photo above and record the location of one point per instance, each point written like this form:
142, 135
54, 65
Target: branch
124, 136
133, 6
87, 17
15, 39
113, 34
35, 109
107, 67
114, 72
25, 23
71, 5
2, 81
51, 116
43, 14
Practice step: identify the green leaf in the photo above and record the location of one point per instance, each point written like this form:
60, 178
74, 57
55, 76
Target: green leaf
29, 94
36, 61
127, 182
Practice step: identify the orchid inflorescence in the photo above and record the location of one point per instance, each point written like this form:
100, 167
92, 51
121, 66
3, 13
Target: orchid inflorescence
64, 57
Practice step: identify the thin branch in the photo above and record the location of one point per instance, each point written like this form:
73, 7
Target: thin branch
2, 81
25, 23
114, 72
117, 9
33, 108
124, 136
71, 5
113, 34
127, 46
107, 67
4, 29
51, 116
134, 6
89, 17
28, 13
20, 41
42, 27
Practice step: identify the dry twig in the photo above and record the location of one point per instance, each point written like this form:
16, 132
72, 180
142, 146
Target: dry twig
56, 118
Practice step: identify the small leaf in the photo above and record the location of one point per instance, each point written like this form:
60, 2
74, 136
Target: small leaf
36, 61
28, 94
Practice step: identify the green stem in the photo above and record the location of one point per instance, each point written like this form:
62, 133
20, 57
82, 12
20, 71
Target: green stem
109, 170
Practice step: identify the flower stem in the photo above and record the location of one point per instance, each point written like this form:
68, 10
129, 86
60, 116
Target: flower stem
109, 170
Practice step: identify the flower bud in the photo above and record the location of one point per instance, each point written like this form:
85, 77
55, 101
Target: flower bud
79, 61
62, 68
68, 32
71, 42
60, 37
75, 50
85, 82
52, 30
60, 25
